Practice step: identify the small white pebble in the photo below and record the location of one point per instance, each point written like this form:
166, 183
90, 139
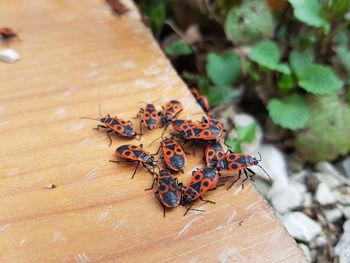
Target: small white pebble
50, 186
9, 56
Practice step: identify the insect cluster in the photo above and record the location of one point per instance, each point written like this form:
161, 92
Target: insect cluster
208, 132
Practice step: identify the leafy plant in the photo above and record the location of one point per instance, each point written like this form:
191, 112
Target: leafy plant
178, 48
218, 95
326, 133
313, 78
289, 63
267, 54
241, 22
319, 79
309, 12
343, 56
299, 60
245, 134
290, 114
223, 69
155, 11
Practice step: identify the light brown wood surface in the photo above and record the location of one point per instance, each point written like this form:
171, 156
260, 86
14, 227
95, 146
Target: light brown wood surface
75, 55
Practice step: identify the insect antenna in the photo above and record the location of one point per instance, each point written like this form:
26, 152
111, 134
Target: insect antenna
155, 100
99, 108
166, 127
259, 157
89, 118
148, 102
155, 140
264, 172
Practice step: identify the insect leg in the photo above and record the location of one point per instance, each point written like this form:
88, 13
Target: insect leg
109, 137
138, 114
205, 200
139, 138
216, 187
137, 166
149, 170
160, 146
194, 146
100, 126
154, 180
246, 177
160, 201
188, 208
140, 127
193, 209
121, 161
251, 176
180, 185
239, 177
166, 127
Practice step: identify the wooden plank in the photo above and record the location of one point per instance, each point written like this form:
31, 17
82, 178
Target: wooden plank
75, 55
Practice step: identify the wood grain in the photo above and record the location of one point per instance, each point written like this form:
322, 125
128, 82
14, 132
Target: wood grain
75, 55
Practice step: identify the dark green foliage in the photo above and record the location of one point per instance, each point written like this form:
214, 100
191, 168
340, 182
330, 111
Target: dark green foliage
245, 134
178, 48
278, 57
242, 20
326, 135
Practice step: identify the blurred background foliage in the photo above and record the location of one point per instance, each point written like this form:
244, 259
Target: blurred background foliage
285, 62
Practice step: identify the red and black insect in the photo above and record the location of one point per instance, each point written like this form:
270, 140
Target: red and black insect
203, 180
240, 162
213, 122
169, 190
7, 34
171, 109
201, 100
118, 7
214, 153
150, 117
182, 125
202, 131
134, 153
115, 125
174, 156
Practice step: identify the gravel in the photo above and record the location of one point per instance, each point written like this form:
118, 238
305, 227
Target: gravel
300, 226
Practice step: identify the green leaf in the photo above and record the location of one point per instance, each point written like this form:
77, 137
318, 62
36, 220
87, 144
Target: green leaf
343, 56
246, 133
191, 77
267, 54
309, 12
319, 79
341, 38
234, 144
291, 114
218, 94
248, 68
286, 82
203, 84
223, 69
177, 48
305, 40
249, 22
347, 96
327, 132
299, 60
156, 13
283, 68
